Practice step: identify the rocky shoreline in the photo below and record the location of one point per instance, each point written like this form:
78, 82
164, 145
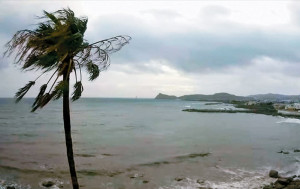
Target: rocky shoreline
241, 107
283, 182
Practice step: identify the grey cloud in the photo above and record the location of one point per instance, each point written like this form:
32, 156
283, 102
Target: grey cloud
139, 68
295, 12
162, 14
12, 23
196, 51
3, 62
214, 11
192, 51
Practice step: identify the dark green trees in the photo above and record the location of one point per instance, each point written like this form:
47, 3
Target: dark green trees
57, 45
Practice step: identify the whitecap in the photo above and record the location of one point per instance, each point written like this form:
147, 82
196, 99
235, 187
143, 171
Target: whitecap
240, 179
289, 120
253, 182
293, 169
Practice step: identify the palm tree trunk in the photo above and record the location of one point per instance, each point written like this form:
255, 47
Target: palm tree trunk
68, 137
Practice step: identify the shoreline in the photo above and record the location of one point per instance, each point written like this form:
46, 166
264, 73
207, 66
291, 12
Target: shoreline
238, 111
240, 179
263, 108
292, 182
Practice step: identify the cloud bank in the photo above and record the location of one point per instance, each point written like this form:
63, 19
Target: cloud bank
178, 47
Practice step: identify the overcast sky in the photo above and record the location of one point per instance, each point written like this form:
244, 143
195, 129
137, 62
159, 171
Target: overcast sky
178, 47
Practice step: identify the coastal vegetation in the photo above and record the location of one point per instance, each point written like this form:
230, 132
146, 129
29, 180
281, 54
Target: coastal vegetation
267, 104
57, 45
219, 97
163, 96
244, 107
226, 97
212, 103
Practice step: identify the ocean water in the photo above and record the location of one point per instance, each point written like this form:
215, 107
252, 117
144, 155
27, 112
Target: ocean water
144, 143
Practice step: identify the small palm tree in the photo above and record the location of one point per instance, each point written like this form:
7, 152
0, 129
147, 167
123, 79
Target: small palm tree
57, 45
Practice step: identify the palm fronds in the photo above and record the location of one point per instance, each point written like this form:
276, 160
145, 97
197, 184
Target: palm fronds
59, 34
99, 51
113, 44
40, 95
78, 88
59, 89
93, 70
58, 43
22, 91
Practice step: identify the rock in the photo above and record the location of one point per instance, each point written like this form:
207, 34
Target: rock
294, 185
136, 175
283, 152
290, 179
10, 187
268, 187
283, 181
273, 174
48, 183
297, 150
199, 181
145, 181
277, 185
179, 178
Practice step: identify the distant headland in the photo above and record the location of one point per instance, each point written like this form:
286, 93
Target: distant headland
226, 97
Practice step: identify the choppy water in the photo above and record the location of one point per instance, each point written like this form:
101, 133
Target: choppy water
144, 143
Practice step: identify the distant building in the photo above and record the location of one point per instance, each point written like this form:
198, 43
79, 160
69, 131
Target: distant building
295, 106
250, 103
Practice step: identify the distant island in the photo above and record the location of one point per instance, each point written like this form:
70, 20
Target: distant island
226, 97
164, 96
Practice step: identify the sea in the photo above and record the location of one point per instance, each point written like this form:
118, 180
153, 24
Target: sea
122, 143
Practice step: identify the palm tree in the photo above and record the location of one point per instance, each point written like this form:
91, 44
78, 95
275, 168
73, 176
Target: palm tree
57, 45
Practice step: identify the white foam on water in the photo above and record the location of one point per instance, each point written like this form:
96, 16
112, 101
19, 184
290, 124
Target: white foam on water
289, 120
253, 182
198, 103
293, 169
3, 185
226, 170
239, 179
56, 182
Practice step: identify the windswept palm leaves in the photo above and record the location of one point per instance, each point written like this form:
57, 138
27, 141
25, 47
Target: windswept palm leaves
78, 88
21, 92
57, 45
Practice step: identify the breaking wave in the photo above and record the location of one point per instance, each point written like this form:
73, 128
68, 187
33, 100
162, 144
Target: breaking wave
289, 120
239, 179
